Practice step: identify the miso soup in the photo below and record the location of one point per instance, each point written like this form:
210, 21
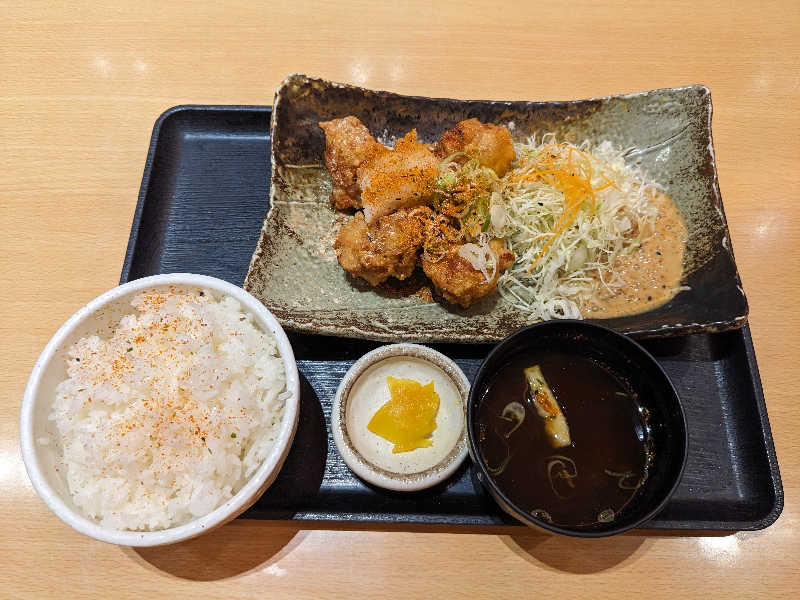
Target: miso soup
577, 480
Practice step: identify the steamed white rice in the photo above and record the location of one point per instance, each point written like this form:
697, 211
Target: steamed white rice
168, 419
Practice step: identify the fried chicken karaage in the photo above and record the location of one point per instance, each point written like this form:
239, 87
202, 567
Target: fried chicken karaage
395, 188
401, 178
389, 247
490, 144
457, 281
348, 144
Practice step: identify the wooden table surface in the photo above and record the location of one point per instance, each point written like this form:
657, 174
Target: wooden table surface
80, 88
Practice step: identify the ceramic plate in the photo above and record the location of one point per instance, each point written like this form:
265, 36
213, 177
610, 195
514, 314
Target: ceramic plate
294, 270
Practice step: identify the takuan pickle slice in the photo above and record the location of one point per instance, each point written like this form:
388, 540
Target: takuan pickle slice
409, 418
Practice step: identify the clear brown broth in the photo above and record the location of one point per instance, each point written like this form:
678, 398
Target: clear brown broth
607, 428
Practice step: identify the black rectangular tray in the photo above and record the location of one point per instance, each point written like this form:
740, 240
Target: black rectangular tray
203, 197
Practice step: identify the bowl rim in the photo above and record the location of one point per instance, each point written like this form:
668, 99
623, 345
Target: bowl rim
364, 469
504, 501
240, 501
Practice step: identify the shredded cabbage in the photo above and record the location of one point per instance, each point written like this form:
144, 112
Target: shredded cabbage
569, 212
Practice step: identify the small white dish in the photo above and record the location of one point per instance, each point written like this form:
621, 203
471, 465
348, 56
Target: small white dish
103, 313
363, 390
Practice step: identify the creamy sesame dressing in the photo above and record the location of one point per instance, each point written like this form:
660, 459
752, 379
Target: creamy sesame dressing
651, 273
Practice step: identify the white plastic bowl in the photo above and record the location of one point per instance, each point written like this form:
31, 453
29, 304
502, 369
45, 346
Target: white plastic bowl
101, 314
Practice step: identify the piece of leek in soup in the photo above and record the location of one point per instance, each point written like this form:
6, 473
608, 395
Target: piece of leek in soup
563, 438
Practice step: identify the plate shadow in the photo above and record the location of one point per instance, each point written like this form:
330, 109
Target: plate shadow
229, 551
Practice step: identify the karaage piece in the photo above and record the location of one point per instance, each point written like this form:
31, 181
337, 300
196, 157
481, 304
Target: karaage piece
457, 281
348, 143
491, 145
401, 178
386, 248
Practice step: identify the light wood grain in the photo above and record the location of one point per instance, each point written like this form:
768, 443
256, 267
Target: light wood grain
80, 88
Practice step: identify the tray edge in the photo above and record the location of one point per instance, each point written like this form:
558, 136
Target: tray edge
144, 186
766, 433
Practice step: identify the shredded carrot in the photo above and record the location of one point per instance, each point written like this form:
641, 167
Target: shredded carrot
572, 177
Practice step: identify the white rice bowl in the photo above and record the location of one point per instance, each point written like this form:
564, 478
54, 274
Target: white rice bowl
146, 425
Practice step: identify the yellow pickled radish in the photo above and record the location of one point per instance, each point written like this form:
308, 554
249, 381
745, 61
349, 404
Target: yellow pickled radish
409, 417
